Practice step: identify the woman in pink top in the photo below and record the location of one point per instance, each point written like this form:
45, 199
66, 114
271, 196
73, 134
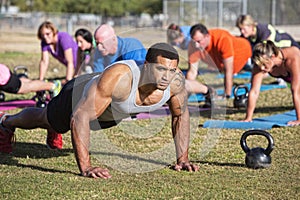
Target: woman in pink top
11, 83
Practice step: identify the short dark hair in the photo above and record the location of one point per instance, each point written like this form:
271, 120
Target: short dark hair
198, 27
161, 49
87, 35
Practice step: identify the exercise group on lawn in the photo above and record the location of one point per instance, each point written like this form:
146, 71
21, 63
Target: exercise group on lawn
109, 78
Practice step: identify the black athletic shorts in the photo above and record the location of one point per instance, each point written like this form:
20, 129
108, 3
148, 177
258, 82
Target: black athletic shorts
13, 85
59, 109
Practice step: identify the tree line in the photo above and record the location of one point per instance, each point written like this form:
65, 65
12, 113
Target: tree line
108, 8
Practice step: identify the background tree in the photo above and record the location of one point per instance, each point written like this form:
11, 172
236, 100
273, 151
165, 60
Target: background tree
108, 8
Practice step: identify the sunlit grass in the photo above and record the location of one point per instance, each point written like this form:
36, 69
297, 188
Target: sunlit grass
35, 172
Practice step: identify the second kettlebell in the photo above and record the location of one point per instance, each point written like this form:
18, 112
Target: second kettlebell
240, 100
21, 71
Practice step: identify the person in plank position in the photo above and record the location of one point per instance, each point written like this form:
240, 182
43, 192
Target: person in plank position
122, 89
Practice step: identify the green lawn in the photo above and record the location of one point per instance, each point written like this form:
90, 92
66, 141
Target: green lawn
34, 172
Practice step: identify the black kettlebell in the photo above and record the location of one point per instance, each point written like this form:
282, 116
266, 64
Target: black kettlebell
21, 71
257, 157
41, 99
240, 100
2, 97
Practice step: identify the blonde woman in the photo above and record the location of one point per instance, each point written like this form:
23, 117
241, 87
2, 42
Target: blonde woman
256, 32
281, 63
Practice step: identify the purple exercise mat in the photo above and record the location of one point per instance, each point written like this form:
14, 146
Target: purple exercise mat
164, 111
9, 105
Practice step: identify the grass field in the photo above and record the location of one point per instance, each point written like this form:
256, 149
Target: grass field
34, 172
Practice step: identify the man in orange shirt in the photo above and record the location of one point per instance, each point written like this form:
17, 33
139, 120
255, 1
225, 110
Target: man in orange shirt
218, 48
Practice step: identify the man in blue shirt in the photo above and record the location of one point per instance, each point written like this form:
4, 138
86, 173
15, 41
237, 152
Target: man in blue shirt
112, 48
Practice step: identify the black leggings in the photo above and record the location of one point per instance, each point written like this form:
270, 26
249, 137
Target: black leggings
13, 84
59, 109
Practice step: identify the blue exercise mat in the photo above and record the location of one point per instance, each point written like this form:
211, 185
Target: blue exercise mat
242, 75
200, 97
201, 72
263, 123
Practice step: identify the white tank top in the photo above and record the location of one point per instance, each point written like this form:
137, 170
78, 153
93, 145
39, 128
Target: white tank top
120, 110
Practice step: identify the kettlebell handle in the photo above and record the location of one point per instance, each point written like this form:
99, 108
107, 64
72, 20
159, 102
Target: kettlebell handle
243, 141
20, 67
240, 87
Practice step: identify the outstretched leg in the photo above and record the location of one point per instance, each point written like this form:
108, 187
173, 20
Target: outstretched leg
28, 118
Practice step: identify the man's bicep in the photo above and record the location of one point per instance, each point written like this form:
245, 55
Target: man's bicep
178, 103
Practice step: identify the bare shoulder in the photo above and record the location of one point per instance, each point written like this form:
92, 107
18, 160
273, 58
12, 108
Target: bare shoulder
115, 82
292, 55
115, 74
178, 83
290, 52
117, 68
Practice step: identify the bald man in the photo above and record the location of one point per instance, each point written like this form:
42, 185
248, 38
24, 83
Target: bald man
112, 48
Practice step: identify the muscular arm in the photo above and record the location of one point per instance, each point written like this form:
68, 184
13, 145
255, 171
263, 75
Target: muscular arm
192, 84
228, 78
193, 61
70, 65
78, 63
192, 71
92, 104
256, 81
44, 63
181, 127
294, 67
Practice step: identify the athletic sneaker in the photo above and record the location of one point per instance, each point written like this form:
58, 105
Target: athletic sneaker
6, 137
54, 140
57, 87
282, 82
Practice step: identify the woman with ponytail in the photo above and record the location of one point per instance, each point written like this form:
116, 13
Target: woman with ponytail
85, 54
